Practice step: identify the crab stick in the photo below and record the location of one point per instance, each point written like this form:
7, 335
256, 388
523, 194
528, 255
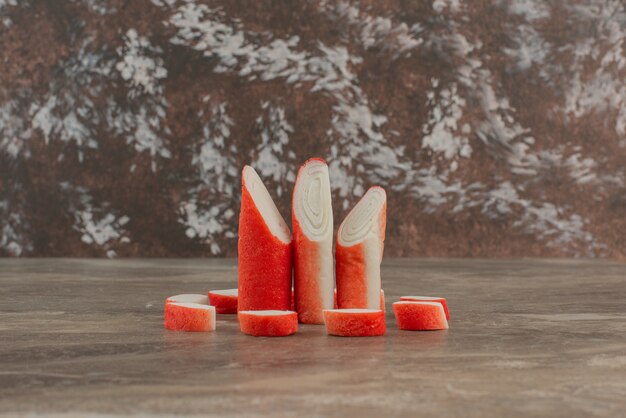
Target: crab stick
188, 298
268, 323
429, 299
312, 224
420, 316
382, 299
355, 322
225, 301
185, 316
359, 251
264, 249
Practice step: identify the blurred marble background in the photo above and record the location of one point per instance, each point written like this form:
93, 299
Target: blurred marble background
498, 127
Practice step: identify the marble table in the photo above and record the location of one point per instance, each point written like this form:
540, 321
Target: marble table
533, 338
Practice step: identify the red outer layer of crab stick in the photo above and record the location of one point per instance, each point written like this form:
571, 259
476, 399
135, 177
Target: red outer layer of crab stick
193, 317
359, 251
264, 249
382, 299
188, 298
269, 323
420, 316
355, 322
429, 299
225, 301
312, 223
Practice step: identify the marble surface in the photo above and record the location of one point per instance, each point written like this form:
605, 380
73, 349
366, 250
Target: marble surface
528, 338
497, 127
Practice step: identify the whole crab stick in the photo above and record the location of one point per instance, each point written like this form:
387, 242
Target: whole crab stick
269, 323
312, 224
225, 301
188, 298
382, 299
184, 316
359, 251
355, 322
264, 249
429, 299
420, 316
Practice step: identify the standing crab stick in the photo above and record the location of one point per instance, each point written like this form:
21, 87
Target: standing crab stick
268, 323
264, 249
359, 252
225, 301
420, 316
355, 322
188, 298
382, 299
312, 223
195, 317
429, 299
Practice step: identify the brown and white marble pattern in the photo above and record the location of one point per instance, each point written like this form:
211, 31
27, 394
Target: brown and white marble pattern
498, 127
527, 338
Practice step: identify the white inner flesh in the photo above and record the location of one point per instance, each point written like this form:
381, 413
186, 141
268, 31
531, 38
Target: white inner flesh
189, 298
266, 206
362, 221
418, 298
225, 292
313, 209
311, 201
194, 306
266, 313
353, 310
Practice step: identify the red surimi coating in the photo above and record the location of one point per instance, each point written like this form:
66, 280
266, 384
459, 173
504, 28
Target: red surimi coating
192, 317
313, 260
264, 260
358, 266
355, 322
225, 301
420, 316
382, 300
269, 323
429, 299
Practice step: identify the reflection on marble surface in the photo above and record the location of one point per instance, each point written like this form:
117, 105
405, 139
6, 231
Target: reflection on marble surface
526, 338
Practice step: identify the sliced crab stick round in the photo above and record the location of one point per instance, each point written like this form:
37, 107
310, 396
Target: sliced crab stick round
420, 316
264, 249
194, 317
188, 298
355, 322
225, 301
359, 251
429, 299
382, 299
312, 223
268, 323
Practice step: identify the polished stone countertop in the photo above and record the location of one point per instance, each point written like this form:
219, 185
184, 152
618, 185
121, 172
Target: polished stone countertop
533, 338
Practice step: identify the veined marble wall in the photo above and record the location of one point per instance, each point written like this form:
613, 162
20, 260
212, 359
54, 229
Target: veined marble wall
498, 127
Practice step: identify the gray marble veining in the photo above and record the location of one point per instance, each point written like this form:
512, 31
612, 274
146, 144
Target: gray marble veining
526, 338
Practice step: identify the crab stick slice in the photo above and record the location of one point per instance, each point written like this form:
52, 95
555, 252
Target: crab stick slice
185, 316
269, 323
355, 322
264, 249
359, 252
225, 301
420, 316
188, 298
312, 223
429, 299
382, 299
